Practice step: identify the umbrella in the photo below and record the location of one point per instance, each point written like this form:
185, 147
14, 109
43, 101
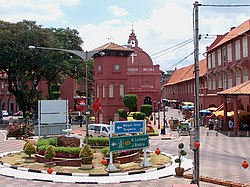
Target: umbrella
212, 109
205, 112
187, 107
188, 103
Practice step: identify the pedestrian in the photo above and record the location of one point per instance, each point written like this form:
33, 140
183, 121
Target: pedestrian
211, 124
230, 124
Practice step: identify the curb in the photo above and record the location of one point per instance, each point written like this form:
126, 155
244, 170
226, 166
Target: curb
217, 181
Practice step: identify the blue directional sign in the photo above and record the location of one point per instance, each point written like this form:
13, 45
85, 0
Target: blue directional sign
124, 127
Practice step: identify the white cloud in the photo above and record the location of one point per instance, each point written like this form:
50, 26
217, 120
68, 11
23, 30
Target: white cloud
38, 10
118, 11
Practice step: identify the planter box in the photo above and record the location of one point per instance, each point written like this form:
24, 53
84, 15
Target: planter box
86, 166
127, 158
60, 161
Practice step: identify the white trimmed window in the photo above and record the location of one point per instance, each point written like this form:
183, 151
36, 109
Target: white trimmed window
245, 74
103, 91
209, 61
224, 81
237, 50
214, 83
111, 91
213, 59
97, 91
238, 76
230, 79
220, 81
229, 53
121, 89
245, 47
219, 57
224, 54
209, 83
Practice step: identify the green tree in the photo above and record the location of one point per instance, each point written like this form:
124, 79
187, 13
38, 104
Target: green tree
18, 62
146, 109
25, 69
130, 101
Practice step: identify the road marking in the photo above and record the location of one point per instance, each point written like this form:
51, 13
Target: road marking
5, 138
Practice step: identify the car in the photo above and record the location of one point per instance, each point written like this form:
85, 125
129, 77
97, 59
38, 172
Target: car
4, 113
99, 130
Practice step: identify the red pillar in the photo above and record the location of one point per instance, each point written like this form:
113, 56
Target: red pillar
236, 119
225, 123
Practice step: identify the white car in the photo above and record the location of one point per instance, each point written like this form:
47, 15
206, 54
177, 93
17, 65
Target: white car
5, 113
99, 130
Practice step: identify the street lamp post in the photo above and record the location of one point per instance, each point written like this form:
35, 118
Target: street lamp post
163, 130
85, 56
159, 124
154, 113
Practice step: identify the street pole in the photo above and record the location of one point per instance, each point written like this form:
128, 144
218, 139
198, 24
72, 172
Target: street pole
85, 56
163, 131
197, 102
159, 125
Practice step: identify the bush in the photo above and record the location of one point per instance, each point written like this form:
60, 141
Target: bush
86, 154
18, 130
29, 148
97, 141
49, 152
47, 141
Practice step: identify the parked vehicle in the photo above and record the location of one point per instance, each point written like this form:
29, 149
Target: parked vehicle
184, 128
99, 130
174, 123
3, 113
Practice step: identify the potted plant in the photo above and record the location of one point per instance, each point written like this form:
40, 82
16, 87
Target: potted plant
29, 149
180, 170
87, 155
49, 154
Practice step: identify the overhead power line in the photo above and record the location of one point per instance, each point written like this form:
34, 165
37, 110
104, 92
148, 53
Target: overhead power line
229, 6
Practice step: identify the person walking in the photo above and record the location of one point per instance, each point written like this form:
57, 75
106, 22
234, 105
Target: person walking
230, 124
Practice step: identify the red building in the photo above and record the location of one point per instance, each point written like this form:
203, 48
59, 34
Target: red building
224, 79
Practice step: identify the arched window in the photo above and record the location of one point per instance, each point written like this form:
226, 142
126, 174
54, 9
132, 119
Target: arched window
245, 74
111, 91
121, 89
209, 83
214, 82
224, 81
220, 81
230, 79
238, 76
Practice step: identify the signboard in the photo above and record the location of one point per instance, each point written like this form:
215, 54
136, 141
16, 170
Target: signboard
125, 127
122, 143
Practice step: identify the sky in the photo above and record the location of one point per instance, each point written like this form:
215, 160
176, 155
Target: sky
164, 28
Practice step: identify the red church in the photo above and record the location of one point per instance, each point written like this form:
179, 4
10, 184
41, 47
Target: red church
124, 70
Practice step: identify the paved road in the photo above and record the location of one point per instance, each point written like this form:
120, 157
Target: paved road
220, 157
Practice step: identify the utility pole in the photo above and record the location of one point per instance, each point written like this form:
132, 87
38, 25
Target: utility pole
196, 174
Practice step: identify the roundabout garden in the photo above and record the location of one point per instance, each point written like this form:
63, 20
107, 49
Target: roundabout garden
65, 154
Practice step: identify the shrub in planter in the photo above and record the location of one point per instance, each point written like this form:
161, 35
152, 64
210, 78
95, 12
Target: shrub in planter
29, 148
49, 153
86, 154
18, 130
97, 141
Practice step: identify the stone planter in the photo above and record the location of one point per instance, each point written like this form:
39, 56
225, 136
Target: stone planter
128, 158
87, 166
60, 161
179, 171
30, 160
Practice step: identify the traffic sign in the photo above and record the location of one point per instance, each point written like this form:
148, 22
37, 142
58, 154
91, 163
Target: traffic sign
124, 127
122, 143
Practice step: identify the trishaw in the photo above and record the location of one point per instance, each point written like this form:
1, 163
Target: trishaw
174, 124
183, 128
